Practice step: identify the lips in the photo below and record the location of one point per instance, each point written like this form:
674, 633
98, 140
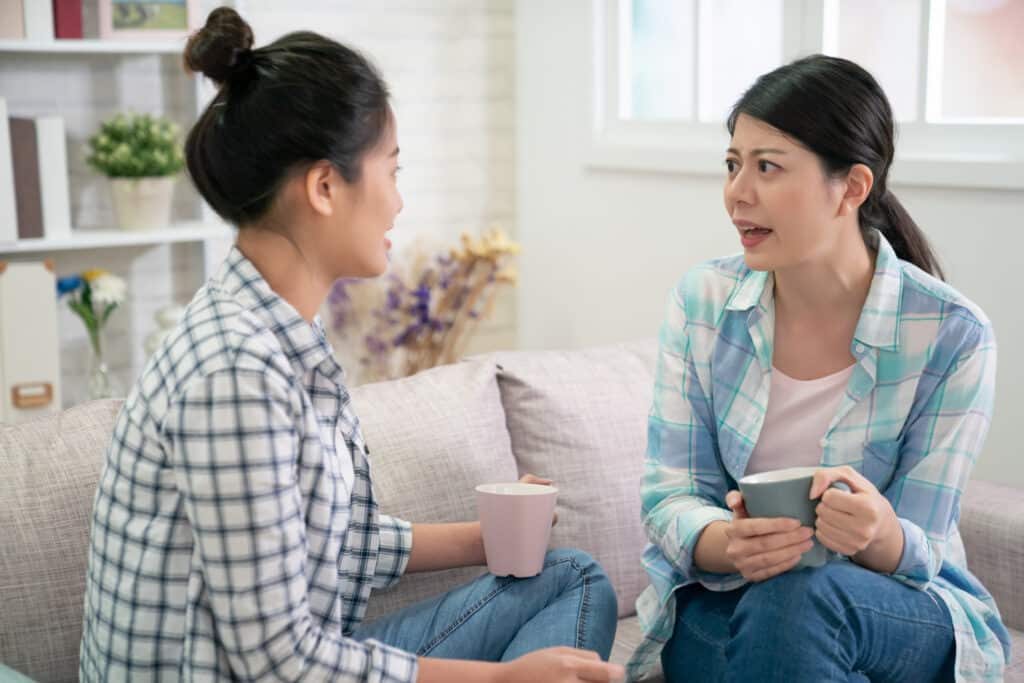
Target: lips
752, 234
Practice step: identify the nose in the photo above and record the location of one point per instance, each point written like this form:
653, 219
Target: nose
739, 188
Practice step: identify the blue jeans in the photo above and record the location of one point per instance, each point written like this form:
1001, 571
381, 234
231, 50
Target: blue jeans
571, 603
839, 622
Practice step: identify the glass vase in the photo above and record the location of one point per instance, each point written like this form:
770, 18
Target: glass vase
101, 381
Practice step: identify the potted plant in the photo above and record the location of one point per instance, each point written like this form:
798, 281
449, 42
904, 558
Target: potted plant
141, 155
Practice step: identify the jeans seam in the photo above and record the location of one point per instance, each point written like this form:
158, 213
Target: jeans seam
479, 604
844, 623
463, 618
581, 620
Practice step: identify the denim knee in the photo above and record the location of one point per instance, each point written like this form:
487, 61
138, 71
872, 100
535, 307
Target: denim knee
786, 606
579, 568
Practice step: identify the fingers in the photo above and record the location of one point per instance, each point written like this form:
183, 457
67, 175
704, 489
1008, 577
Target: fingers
591, 668
841, 501
756, 564
827, 476
839, 540
534, 479
601, 671
734, 500
762, 526
769, 572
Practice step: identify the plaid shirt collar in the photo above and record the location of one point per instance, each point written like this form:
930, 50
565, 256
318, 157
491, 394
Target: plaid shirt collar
879, 322
304, 343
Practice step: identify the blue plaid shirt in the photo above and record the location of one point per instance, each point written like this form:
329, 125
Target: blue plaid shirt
234, 532
913, 421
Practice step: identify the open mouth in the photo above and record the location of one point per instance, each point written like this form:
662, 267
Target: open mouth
751, 234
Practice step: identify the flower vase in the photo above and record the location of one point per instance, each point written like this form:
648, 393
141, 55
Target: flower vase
101, 382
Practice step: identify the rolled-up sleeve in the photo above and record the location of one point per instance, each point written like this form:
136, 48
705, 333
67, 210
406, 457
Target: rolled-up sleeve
684, 486
943, 441
395, 549
234, 446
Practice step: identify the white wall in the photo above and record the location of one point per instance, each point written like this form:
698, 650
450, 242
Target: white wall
602, 249
450, 65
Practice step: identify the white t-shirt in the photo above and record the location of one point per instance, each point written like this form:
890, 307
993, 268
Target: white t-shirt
798, 415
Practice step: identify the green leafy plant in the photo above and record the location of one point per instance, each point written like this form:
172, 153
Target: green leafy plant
136, 146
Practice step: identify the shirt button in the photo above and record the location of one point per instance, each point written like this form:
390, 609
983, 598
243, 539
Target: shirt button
823, 442
860, 348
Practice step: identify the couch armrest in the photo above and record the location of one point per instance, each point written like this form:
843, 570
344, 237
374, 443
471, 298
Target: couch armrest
992, 526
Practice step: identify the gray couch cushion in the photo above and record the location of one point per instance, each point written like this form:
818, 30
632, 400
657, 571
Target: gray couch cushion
433, 437
992, 526
580, 418
50, 470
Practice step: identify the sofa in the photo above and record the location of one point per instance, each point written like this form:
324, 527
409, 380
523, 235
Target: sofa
578, 417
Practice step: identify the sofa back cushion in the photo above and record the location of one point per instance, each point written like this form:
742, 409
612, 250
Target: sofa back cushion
432, 438
580, 418
50, 467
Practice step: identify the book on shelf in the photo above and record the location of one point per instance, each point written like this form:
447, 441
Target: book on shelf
67, 19
8, 214
12, 19
38, 20
39, 154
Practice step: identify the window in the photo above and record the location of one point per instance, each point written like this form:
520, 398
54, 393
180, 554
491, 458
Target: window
668, 71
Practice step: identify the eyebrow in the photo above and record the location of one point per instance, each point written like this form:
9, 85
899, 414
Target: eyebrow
758, 152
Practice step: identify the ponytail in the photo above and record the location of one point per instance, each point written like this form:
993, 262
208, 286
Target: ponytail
908, 241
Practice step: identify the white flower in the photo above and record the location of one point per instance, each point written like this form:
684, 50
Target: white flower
108, 289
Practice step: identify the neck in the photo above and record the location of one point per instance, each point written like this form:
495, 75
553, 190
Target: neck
835, 283
285, 267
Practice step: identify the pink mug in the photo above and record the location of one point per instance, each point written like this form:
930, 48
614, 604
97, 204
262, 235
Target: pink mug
516, 523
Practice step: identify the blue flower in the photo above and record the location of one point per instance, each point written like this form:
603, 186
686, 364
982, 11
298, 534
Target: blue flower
69, 284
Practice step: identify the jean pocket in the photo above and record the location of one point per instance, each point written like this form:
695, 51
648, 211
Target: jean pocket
880, 461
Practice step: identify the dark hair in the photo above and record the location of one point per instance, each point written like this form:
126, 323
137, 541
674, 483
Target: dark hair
838, 111
301, 99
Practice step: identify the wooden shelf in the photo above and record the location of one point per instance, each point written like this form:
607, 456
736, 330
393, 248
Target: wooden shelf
112, 239
98, 47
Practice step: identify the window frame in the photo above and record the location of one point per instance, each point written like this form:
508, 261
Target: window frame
959, 154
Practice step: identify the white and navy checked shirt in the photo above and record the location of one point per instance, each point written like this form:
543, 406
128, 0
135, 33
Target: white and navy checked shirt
234, 533
912, 420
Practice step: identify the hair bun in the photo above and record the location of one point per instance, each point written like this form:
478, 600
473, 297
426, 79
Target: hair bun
220, 47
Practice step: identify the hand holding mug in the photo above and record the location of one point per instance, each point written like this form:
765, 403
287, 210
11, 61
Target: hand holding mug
850, 521
763, 547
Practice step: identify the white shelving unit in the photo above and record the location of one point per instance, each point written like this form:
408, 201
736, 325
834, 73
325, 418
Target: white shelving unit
106, 239
90, 46
208, 229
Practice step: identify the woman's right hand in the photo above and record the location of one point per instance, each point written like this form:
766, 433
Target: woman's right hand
560, 665
766, 546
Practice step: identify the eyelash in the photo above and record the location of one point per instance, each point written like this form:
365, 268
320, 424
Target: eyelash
730, 165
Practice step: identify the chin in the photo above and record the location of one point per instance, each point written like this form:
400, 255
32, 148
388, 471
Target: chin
758, 262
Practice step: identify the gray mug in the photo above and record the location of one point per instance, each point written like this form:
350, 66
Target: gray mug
786, 493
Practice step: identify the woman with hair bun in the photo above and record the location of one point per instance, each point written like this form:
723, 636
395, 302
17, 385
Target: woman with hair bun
235, 534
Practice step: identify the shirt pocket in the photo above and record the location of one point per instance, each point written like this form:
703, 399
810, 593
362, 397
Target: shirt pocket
880, 461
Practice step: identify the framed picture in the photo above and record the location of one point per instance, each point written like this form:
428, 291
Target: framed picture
147, 18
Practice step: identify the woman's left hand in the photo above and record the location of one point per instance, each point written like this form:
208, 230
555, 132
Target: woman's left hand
534, 479
849, 522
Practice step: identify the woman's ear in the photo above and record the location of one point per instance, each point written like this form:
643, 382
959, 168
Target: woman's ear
857, 188
320, 187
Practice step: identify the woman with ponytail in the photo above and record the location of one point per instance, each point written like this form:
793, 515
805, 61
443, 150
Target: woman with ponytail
832, 343
235, 535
